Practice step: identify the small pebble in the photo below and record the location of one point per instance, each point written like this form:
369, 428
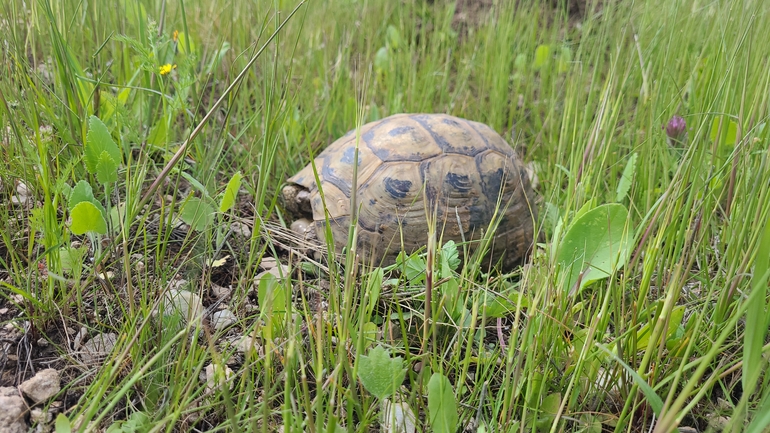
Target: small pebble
44, 385
222, 319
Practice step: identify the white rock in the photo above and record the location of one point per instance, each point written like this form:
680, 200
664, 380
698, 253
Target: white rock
280, 272
303, 228
221, 292
43, 386
41, 419
187, 304
268, 263
397, 417
247, 344
19, 200
210, 376
22, 190
12, 408
178, 284
241, 230
222, 319
98, 347
78, 341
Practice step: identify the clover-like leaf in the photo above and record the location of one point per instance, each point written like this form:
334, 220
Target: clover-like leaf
87, 218
382, 59
394, 38
197, 213
413, 266
99, 140
442, 405
450, 258
542, 55
380, 374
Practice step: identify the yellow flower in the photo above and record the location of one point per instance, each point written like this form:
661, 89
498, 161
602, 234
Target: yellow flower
175, 35
165, 69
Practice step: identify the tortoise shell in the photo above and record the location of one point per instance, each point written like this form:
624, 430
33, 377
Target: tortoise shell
409, 164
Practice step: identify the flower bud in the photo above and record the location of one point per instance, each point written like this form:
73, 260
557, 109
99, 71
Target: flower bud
676, 131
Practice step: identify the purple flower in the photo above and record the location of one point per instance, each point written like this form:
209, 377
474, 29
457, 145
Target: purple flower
676, 131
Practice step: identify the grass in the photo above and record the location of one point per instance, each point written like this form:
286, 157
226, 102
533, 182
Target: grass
677, 337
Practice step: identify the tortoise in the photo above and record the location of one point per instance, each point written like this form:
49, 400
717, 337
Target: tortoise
409, 164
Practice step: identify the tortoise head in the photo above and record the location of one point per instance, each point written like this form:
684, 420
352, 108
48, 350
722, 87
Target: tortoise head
296, 201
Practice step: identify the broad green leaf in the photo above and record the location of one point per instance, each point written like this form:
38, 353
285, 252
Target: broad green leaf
542, 53
98, 140
628, 176
549, 407
216, 59
520, 62
442, 406
72, 258
159, 133
231, 192
81, 192
450, 292
374, 287
197, 213
761, 420
729, 131
590, 204
335, 428
87, 218
595, 245
413, 266
182, 42
106, 169
194, 183
117, 213
565, 58
380, 374
394, 38
450, 259
272, 304
138, 422
271, 295
369, 334
592, 424
643, 335
496, 306
63, 424
382, 60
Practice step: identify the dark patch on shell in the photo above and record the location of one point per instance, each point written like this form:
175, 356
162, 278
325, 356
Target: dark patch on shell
492, 183
460, 182
400, 130
479, 218
441, 141
349, 154
331, 177
397, 188
472, 125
